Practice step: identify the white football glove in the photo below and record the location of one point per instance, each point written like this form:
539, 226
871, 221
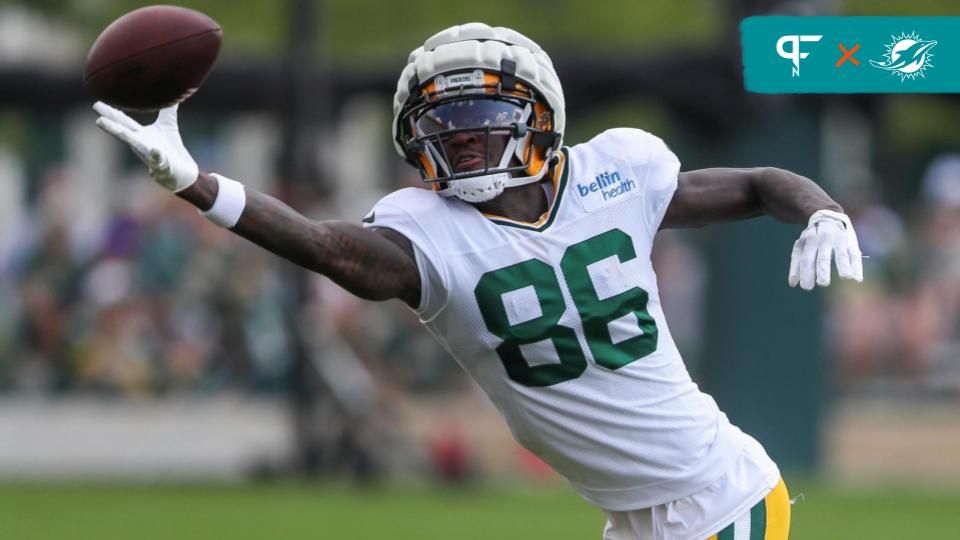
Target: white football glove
158, 145
829, 235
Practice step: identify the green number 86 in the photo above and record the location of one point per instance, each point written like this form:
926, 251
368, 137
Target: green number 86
595, 313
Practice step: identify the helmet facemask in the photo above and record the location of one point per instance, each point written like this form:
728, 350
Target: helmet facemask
473, 134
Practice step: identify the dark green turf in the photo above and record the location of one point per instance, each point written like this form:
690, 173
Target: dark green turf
875, 513
134, 512
140, 512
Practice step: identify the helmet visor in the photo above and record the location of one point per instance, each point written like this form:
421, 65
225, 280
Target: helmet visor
467, 114
466, 137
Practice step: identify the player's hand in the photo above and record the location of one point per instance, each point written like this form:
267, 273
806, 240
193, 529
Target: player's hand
158, 145
829, 236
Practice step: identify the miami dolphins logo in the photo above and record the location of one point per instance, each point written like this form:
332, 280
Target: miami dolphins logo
908, 56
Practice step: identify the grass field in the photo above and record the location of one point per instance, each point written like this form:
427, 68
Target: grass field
288, 512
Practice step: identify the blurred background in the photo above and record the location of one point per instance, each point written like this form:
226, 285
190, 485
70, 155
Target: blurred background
161, 378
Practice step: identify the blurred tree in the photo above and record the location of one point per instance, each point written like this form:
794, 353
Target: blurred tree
898, 7
368, 30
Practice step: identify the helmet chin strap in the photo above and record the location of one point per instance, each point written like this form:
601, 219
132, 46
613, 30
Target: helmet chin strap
477, 189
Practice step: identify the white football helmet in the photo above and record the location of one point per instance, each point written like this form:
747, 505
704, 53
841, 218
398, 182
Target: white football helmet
477, 110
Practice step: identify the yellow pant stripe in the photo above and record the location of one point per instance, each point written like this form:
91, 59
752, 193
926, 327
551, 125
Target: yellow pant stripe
771, 521
778, 513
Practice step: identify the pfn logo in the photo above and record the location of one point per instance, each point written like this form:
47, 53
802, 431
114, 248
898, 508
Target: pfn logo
794, 54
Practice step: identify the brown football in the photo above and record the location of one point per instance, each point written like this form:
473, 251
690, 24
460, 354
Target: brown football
152, 57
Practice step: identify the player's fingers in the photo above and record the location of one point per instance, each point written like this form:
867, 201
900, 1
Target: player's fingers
856, 256
824, 255
116, 115
111, 127
124, 135
793, 277
157, 162
844, 267
856, 262
808, 263
168, 116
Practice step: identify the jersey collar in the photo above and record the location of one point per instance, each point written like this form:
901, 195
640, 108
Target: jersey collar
545, 220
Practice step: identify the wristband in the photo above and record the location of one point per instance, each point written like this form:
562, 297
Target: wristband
229, 204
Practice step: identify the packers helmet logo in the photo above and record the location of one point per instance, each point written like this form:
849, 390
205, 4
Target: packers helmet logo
442, 83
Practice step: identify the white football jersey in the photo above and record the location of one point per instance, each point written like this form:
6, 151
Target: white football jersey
560, 322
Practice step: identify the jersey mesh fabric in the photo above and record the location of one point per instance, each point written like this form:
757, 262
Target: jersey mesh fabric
630, 435
723, 506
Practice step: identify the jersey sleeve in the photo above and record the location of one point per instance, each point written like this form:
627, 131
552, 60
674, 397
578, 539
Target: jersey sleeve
653, 162
395, 212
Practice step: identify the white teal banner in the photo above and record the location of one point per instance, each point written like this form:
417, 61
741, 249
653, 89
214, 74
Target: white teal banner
789, 55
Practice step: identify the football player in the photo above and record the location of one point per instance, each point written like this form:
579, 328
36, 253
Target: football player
530, 262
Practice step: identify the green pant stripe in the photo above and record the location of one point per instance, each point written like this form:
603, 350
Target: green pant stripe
758, 524
758, 520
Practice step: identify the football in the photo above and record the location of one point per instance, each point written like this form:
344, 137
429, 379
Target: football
152, 57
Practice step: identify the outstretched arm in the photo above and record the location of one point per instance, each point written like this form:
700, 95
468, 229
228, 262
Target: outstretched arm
719, 195
373, 264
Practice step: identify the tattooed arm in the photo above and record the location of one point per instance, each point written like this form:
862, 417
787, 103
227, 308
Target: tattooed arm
373, 264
